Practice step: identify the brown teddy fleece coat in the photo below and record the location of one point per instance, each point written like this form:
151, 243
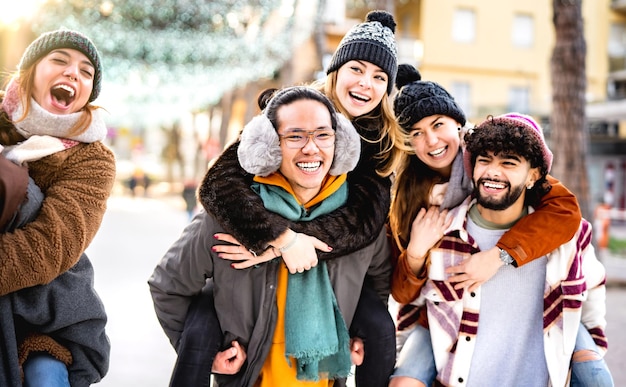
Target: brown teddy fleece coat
76, 184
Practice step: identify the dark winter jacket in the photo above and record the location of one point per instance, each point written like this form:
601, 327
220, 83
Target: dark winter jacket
225, 192
65, 318
245, 299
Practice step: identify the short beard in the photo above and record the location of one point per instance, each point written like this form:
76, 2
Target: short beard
491, 203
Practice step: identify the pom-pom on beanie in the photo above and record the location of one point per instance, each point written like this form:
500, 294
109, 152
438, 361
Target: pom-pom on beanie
417, 99
371, 41
64, 38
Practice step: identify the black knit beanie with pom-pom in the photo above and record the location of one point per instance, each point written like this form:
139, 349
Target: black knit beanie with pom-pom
417, 99
371, 41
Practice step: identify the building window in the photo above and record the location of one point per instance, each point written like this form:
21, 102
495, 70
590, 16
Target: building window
518, 99
523, 31
617, 50
462, 92
464, 26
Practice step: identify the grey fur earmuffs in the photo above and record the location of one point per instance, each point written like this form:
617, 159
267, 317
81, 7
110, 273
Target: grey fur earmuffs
259, 150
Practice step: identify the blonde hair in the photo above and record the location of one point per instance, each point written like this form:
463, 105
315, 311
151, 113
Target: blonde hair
25, 79
390, 154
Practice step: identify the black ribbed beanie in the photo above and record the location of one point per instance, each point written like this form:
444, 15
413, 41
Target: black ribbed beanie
417, 99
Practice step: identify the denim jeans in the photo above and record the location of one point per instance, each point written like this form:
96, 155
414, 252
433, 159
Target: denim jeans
416, 359
44, 370
594, 373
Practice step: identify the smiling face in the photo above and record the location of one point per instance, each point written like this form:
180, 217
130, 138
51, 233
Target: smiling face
305, 168
360, 87
435, 140
63, 81
499, 185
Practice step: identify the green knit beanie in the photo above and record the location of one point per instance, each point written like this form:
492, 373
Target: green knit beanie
64, 38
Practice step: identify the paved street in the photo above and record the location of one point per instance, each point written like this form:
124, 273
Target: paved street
134, 235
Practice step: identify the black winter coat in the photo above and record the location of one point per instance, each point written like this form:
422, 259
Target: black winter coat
226, 186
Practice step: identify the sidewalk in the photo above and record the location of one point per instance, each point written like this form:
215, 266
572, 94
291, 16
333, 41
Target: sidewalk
615, 267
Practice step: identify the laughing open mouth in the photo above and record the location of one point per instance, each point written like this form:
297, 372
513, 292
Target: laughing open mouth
437, 152
63, 94
494, 185
359, 97
309, 167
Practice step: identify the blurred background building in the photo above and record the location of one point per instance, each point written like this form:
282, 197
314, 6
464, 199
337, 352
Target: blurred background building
182, 78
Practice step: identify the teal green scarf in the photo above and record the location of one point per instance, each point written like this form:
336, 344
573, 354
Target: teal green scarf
315, 332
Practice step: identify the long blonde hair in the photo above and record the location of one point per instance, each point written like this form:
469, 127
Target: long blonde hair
25, 79
389, 155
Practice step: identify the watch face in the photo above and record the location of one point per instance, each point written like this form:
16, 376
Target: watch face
505, 257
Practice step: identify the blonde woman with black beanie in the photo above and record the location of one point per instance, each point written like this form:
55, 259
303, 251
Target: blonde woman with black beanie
52, 321
360, 78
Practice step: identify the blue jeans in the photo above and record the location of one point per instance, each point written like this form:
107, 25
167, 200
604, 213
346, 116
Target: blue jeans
594, 373
416, 359
44, 370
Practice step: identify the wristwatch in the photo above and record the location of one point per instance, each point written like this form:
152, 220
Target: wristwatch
505, 257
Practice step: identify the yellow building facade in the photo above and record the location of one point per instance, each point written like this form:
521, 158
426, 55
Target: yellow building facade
494, 57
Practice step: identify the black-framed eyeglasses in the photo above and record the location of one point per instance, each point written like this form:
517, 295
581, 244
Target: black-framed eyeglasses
296, 139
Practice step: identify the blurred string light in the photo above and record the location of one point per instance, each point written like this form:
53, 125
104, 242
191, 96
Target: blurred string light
15, 12
163, 58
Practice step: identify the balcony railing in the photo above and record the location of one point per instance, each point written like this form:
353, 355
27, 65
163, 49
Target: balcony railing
618, 5
410, 51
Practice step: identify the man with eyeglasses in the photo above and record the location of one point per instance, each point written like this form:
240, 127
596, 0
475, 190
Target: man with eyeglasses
279, 329
297, 138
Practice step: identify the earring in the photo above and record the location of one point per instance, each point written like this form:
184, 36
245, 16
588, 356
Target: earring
529, 186
459, 128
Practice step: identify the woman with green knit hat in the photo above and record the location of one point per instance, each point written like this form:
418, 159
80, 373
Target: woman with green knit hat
360, 78
52, 320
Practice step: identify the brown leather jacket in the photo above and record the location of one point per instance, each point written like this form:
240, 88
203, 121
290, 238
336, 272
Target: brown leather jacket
13, 183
